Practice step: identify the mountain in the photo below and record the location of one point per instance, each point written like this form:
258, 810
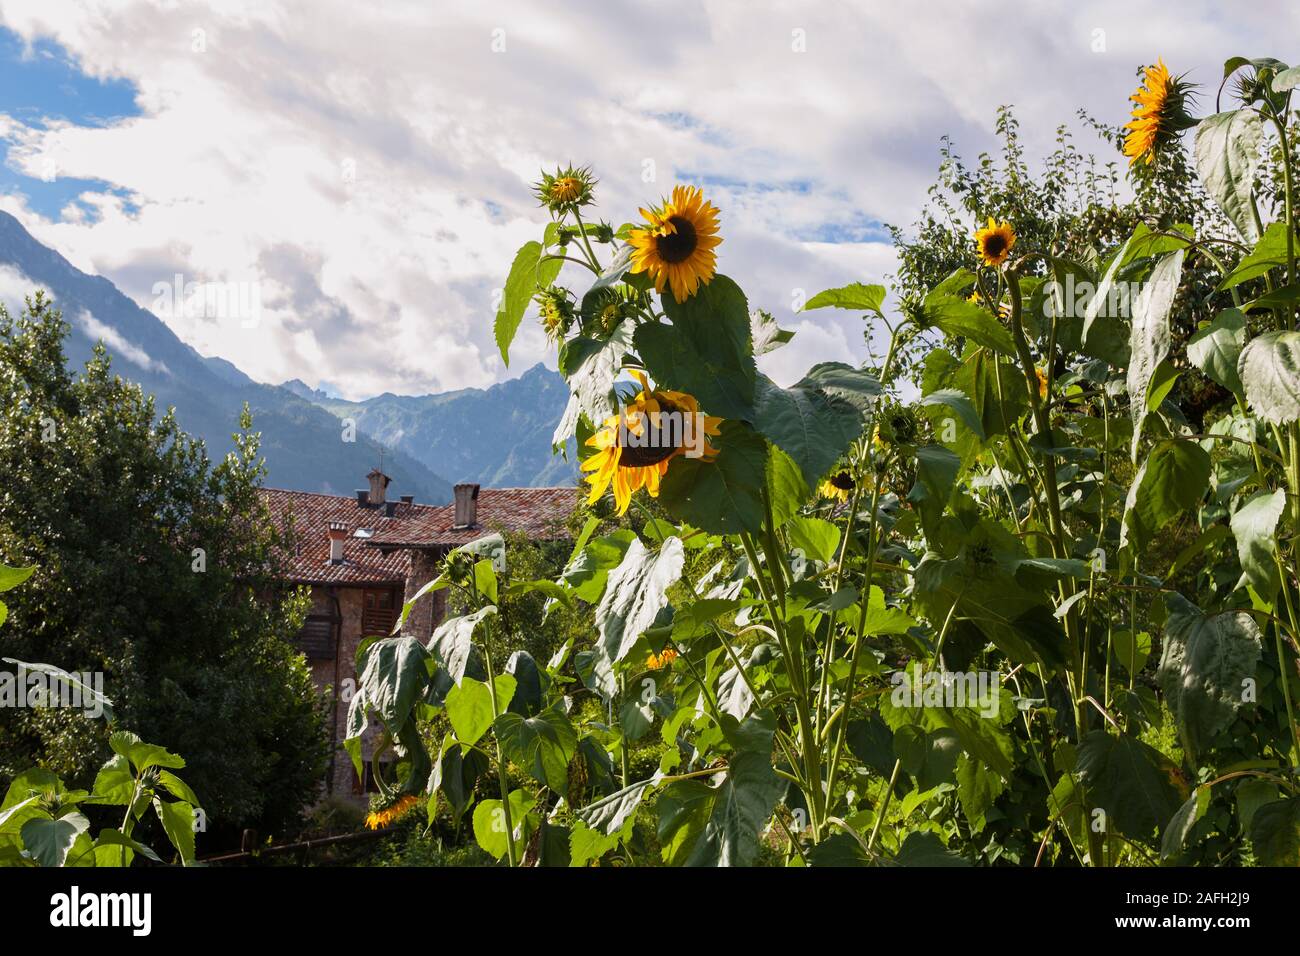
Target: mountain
304, 444
498, 436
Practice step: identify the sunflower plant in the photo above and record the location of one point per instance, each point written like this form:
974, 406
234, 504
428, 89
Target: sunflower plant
894, 626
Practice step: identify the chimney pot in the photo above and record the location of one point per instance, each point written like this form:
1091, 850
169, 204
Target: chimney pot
378, 486
363, 497
466, 511
408, 499
338, 533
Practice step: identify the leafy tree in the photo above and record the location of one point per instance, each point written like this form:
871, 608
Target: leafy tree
156, 567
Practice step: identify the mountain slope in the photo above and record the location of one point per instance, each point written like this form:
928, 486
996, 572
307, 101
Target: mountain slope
304, 444
499, 436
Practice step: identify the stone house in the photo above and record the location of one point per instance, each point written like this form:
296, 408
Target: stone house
364, 556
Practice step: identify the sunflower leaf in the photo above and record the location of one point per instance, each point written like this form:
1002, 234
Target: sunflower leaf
528, 272
1227, 155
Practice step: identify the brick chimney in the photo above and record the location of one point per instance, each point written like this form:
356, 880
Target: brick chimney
338, 534
378, 486
466, 506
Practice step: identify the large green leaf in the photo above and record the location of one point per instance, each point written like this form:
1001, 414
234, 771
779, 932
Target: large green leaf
818, 538
1204, 667
1269, 253
527, 272
393, 677
957, 401
48, 841
1275, 832
591, 367
706, 351
1254, 525
856, 296
177, 819
959, 318
635, 594
740, 807
1174, 839
141, 754
541, 745
856, 386
725, 495
1172, 480
1131, 781
587, 571
453, 642
1216, 348
469, 708
610, 813
490, 823
12, 577
92, 700
1150, 336
1270, 371
1227, 155
810, 427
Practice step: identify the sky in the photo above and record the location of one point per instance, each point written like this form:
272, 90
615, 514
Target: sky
358, 176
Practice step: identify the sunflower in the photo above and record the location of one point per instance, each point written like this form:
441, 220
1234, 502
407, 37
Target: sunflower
839, 486
657, 662
994, 242
1159, 113
634, 447
567, 188
382, 818
675, 247
556, 311
1042, 381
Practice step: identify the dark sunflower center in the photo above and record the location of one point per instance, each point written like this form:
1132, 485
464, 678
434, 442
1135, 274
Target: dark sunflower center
678, 246
842, 481
995, 245
658, 440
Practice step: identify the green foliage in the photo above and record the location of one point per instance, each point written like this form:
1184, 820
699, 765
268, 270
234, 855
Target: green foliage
157, 569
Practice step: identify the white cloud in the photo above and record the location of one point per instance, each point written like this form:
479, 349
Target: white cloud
368, 167
117, 344
14, 289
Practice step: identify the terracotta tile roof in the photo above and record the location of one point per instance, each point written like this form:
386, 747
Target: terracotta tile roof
311, 515
539, 513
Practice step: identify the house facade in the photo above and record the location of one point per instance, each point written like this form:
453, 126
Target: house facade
364, 556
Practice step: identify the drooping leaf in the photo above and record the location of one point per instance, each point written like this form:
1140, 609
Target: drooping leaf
48, 841
453, 642
177, 819
636, 593
1174, 839
527, 272
1270, 371
958, 402
1216, 348
1150, 336
811, 428
608, 814
706, 351
1275, 832
1133, 782
1227, 155
1173, 479
1204, 666
856, 386
1254, 525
